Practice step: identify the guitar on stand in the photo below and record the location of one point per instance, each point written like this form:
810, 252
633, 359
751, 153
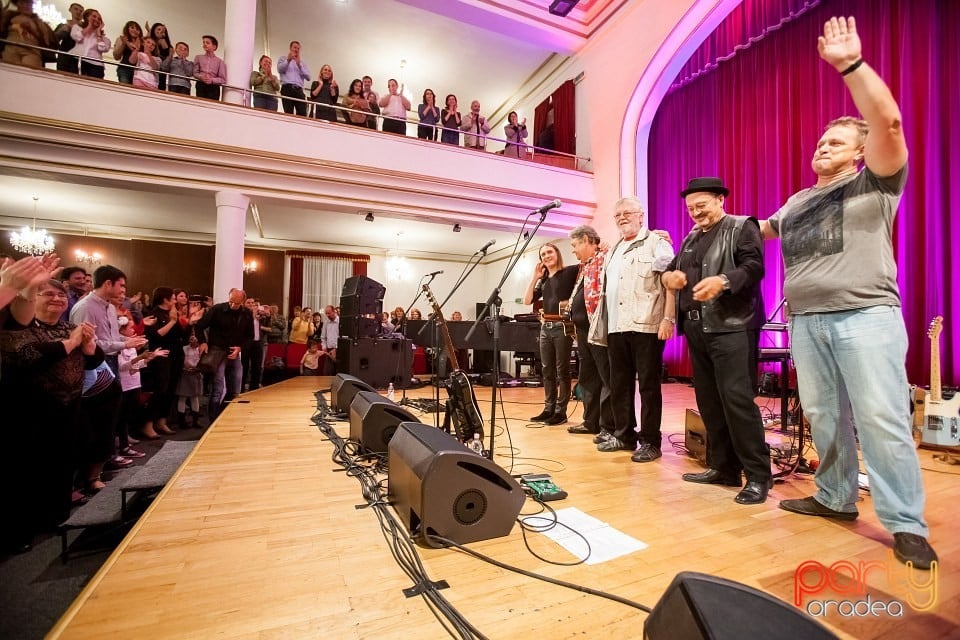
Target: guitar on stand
462, 407
940, 426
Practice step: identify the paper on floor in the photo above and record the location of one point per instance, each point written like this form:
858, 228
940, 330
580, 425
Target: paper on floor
606, 543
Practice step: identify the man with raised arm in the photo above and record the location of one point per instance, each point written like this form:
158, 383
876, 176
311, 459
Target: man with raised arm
847, 333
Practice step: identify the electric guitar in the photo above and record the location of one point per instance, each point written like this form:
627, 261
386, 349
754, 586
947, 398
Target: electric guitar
941, 421
463, 402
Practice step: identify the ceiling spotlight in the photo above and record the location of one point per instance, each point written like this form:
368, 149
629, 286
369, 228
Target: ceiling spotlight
562, 7
369, 216
456, 228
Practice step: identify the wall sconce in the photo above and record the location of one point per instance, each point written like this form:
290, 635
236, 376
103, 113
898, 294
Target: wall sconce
89, 259
250, 267
457, 228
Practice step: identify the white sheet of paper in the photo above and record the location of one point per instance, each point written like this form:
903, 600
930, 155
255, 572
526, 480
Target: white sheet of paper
606, 543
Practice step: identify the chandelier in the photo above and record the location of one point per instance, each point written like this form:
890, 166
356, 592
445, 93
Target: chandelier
30, 240
48, 13
397, 267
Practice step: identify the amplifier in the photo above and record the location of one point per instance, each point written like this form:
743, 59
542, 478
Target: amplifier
695, 436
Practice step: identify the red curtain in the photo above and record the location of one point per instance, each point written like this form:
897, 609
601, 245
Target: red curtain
754, 120
565, 118
296, 284
540, 120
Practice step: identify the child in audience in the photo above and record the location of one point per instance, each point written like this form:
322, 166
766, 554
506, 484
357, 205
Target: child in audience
209, 70
190, 384
180, 68
310, 363
132, 416
145, 75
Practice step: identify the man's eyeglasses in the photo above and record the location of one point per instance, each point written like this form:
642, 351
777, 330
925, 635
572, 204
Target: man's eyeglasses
53, 294
627, 214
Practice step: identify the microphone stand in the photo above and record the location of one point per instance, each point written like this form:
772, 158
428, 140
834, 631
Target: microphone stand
403, 324
433, 322
492, 308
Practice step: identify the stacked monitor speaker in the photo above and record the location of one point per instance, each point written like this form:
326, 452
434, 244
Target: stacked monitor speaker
697, 606
343, 389
378, 362
440, 488
361, 303
374, 419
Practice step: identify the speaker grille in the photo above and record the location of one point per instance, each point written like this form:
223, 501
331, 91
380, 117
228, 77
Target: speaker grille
470, 506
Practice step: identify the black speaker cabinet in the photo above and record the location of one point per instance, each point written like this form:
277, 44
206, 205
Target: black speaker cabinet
360, 326
374, 419
700, 607
378, 362
440, 487
343, 389
361, 296
695, 436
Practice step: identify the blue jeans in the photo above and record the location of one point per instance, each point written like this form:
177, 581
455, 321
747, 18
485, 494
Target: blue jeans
227, 379
850, 365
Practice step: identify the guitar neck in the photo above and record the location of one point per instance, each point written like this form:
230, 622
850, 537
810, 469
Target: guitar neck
444, 330
936, 392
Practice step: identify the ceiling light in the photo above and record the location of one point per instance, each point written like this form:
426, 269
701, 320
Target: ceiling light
562, 7
456, 228
369, 216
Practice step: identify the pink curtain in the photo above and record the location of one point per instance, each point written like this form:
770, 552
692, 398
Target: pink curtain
755, 117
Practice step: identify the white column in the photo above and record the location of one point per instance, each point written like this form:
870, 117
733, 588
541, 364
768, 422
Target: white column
239, 31
228, 254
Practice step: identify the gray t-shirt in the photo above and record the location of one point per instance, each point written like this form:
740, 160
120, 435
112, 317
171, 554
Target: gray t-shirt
837, 244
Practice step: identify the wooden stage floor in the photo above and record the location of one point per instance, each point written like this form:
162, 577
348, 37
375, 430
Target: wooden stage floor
258, 536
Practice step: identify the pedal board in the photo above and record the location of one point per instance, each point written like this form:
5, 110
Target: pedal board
541, 487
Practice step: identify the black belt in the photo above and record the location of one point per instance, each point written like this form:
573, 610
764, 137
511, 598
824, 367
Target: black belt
693, 314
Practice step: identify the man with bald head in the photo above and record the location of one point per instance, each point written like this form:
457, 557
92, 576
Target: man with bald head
222, 330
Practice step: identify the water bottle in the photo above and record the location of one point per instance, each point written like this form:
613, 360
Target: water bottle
390, 393
476, 445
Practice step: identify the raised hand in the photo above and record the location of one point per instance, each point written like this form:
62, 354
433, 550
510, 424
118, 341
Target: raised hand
839, 45
25, 272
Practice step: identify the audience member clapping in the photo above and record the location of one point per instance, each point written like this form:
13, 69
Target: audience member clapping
129, 42
475, 127
451, 121
324, 91
162, 39
265, 85
429, 114
180, 69
147, 64
64, 39
515, 132
91, 43
355, 100
394, 107
25, 31
293, 73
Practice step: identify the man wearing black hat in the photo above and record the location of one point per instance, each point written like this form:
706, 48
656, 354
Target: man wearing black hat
717, 275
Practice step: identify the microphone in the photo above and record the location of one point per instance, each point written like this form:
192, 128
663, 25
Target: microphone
435, 273
484, 248
553, 205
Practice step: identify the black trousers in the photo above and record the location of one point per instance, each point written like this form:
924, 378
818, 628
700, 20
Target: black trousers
394, 126
594, 380
290, 106
252, 360
636, 361
555, 348
208, 91
724, 378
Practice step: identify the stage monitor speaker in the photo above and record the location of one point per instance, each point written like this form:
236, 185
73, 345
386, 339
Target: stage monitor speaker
361, 296
374, 419
343, 389
439, 487
700, 607
695, 436
360, 326
378, 362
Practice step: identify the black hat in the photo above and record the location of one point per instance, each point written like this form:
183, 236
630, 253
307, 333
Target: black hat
708, 185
